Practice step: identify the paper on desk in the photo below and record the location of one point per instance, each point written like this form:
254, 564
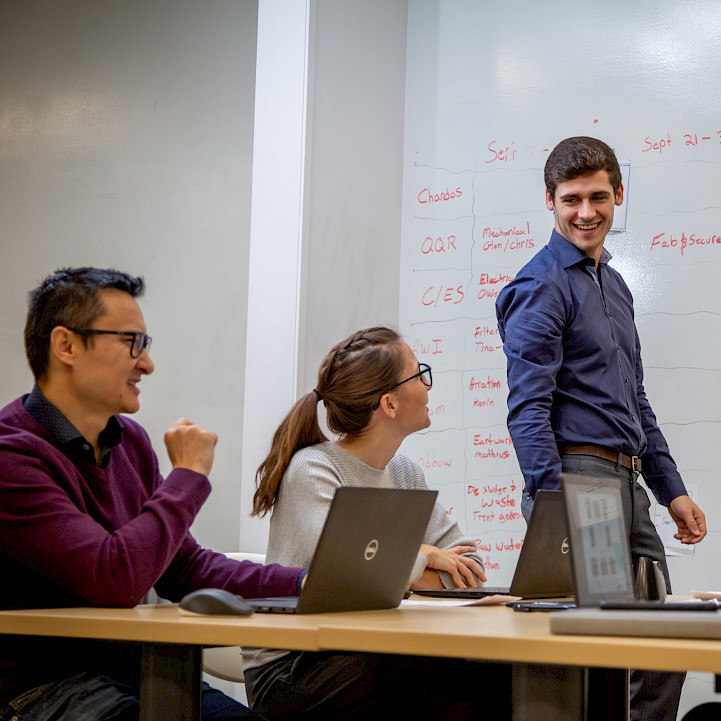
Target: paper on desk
495, 600
666, 527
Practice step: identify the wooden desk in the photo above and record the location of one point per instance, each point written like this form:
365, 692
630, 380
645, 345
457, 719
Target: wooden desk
165, 624
500, 634
172, 645
589, 676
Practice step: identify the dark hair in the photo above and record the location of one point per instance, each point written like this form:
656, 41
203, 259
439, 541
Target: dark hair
69, 297
351, 380
578, 156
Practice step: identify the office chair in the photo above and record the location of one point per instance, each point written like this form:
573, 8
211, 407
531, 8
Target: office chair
225, 661
710, 711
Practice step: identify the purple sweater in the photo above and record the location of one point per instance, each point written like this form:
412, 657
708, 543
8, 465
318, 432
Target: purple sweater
90, 536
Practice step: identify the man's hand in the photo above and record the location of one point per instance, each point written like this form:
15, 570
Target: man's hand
689, 518
190, 446
461, 568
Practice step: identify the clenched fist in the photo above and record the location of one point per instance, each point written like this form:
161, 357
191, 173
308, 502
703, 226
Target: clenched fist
190, 446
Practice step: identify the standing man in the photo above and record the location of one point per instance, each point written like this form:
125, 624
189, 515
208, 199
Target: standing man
576, 399
85, 517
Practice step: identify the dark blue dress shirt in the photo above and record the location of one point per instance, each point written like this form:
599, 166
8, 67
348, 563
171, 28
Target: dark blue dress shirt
574, 368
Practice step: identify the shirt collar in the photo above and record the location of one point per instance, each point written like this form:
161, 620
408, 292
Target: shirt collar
63, 432
568, 254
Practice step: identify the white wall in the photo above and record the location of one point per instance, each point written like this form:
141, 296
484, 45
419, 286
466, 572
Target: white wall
356, 156
278, 230
346, 213
126, 140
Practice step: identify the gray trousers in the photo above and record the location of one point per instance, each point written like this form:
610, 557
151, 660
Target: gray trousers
654, 694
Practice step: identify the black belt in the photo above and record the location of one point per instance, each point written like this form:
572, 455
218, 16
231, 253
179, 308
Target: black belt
633, 463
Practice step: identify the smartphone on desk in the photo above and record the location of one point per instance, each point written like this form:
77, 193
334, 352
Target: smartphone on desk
541, 605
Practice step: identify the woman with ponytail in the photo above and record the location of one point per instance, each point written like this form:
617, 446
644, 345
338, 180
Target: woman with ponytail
375, 393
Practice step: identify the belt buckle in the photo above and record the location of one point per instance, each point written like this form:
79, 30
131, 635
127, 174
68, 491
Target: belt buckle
633, 463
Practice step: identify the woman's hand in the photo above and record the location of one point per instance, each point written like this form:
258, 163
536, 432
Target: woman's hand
460, 568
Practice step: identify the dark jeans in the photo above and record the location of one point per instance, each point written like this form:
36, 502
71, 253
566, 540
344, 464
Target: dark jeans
90, 697
341, 686
654, 694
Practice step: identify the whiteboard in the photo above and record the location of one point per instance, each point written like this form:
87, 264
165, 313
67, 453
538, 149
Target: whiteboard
491, 89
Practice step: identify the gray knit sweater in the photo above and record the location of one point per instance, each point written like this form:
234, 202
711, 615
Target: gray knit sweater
304, 498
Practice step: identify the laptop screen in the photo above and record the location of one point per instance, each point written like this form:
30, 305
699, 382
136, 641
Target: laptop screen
600, 551
544, 569
365, 554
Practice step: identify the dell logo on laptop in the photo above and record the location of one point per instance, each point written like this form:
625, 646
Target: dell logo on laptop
565, 546
371, 550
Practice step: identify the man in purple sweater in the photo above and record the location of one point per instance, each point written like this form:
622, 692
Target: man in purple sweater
86, 519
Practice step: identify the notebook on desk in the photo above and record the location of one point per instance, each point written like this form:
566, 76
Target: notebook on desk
543, 569
365, 553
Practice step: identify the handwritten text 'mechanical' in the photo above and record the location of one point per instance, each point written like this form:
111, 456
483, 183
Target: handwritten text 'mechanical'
505, 239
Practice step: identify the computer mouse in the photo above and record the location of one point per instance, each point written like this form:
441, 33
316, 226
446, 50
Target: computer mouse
214, 602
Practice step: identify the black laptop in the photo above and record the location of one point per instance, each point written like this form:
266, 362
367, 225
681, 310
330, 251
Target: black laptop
365, 553
543, 569
600, 555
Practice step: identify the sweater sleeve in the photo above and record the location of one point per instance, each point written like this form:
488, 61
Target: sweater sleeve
194, 567
106, 536
51, 525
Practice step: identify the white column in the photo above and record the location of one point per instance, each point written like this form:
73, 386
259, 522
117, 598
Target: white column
276, 237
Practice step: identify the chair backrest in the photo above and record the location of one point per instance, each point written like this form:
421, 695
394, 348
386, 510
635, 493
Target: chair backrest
240, 556
226, 662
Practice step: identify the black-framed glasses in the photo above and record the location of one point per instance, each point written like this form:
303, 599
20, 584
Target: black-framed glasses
141, 341
424, 373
